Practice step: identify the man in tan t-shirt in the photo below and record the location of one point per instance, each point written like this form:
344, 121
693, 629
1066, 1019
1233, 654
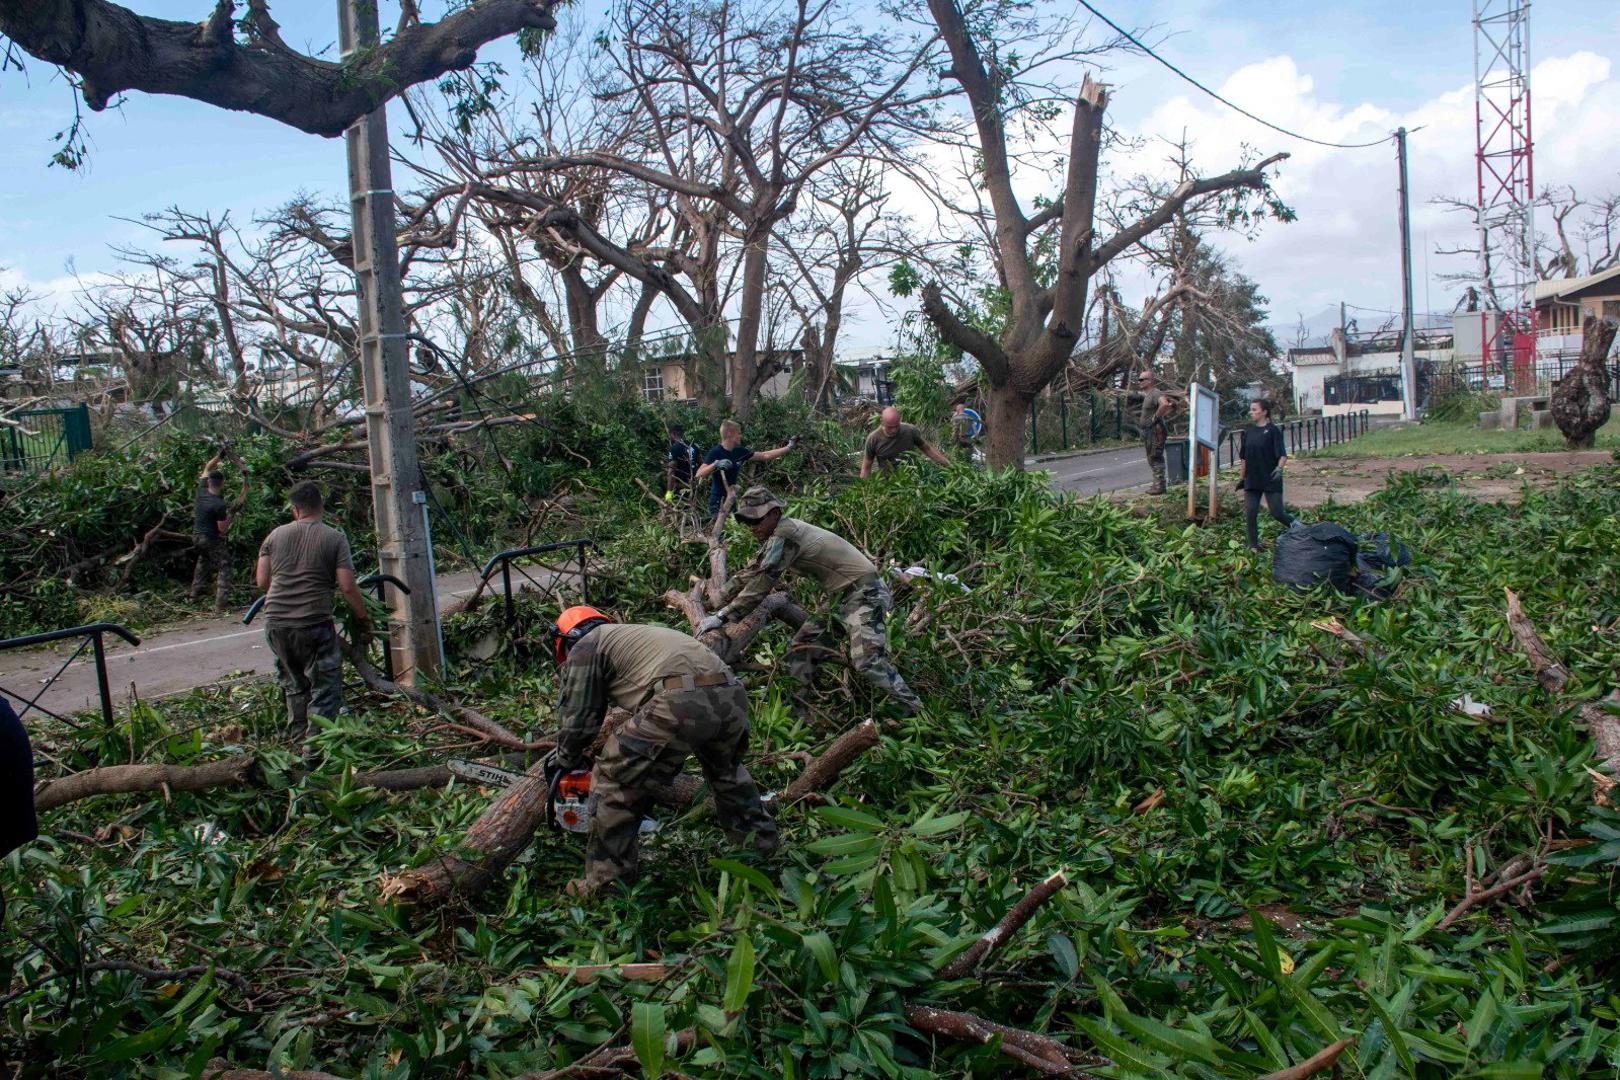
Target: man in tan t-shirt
891, 439
300, 565
861, 600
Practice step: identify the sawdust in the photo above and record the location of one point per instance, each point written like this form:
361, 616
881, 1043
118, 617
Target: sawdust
1488, 477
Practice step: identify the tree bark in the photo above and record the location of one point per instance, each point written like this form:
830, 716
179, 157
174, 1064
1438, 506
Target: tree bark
113, 49
1007, 422
125, 779
824, 769
1322, 1060
1009, 925
1580, 401
1044, 1055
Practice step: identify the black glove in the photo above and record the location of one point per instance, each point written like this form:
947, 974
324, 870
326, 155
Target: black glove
1240, 483
1276, 474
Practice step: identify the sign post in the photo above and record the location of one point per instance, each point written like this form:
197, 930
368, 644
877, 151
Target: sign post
1204, 434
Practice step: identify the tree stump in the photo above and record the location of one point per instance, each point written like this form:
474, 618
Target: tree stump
1580, 401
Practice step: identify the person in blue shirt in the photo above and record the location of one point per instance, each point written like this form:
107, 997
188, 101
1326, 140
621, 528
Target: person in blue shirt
725, 462
966, 427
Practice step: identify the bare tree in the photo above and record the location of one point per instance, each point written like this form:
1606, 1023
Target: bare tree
1044, 322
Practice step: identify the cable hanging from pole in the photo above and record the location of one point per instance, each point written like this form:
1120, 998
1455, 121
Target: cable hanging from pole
1128, 36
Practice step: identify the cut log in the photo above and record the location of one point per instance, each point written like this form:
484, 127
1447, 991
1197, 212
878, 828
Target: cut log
1550, 672
1010, 924
1040, 1053
235, 771
824, 769
1318, 1062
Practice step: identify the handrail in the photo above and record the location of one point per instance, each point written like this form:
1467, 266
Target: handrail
504, 560
93, 631
72, 631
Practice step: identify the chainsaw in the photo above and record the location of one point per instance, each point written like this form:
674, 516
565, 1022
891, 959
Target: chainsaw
568, 800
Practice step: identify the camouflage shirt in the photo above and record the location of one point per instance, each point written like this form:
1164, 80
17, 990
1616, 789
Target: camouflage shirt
619, 664
833, 561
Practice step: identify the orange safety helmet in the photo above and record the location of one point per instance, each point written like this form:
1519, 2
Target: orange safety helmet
573, 624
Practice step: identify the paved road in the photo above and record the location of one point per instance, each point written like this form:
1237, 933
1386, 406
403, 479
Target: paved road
1108, 470
171, 661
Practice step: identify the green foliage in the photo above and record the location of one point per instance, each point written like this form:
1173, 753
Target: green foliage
1317, 812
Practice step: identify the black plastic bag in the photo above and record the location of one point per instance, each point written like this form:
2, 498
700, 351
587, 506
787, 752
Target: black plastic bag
1311, 555
18, 824
1378, 555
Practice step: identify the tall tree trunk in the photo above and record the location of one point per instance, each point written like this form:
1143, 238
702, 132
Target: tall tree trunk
1580, 401
745, 356
1008, 410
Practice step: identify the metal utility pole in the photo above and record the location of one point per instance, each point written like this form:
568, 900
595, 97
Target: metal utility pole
402, 545
1408, 359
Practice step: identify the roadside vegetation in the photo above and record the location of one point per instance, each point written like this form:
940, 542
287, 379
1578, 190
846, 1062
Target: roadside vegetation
1266, 806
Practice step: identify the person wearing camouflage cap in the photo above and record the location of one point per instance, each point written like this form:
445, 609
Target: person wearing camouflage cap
860, 598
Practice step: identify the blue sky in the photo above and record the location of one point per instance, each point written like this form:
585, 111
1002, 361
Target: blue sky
1351, 70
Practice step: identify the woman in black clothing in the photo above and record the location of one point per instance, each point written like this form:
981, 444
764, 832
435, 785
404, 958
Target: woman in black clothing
1260, 470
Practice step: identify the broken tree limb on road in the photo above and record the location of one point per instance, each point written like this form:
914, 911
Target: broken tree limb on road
236, 770
1010, 924
1550, 672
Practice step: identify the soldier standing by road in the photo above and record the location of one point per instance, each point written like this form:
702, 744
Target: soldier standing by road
1158, 403
860, 598
300, 564
893, 438
209, 527
685, 702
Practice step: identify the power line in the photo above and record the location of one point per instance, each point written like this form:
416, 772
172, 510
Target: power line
1126, 34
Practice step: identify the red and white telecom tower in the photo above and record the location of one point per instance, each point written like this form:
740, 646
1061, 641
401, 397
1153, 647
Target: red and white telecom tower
1503, 160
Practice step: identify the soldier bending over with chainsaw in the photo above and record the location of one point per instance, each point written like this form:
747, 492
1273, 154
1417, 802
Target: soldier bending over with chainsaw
860, 598
684, 700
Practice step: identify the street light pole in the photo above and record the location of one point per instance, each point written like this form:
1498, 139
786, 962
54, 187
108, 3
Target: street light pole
1408, 359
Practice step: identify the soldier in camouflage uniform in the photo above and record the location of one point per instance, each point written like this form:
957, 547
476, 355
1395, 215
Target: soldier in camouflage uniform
685, 701
860, 598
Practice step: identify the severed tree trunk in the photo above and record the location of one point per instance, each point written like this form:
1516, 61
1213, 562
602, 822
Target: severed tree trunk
1580, 401
123, 779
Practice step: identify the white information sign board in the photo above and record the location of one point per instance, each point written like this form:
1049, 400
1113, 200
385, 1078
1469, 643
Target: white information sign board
1206, 412
1205, 432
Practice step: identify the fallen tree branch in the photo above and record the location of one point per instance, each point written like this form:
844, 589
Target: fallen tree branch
128, 779
1602, 725
825, 768
1356, 643
220, 1069
732, 640
1475, 897
1009, 925
1318, 1062
480, 724
1040, 1053
145, 972
608, 1061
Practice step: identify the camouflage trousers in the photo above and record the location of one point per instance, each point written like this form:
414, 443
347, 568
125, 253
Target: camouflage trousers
1153, 446
213, 562
709, 723
309, 667
861, 609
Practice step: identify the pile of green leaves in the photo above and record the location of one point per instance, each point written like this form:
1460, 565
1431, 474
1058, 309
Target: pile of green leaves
1262, 829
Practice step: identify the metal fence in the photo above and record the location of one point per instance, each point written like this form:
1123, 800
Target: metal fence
46, 438
1437, 381
1059, 422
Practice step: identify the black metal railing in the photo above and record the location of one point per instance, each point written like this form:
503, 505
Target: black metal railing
370, 581
1306, 434
504, 559
92, 634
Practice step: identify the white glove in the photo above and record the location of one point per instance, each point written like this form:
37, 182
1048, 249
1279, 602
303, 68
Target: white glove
712, 622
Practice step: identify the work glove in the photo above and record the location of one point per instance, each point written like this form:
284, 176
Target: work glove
669, 496
1276, 474
793, 440
1240, 483
712, 622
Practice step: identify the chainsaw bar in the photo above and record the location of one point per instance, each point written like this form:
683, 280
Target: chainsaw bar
480, 773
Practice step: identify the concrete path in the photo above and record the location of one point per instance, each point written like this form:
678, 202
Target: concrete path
176, 659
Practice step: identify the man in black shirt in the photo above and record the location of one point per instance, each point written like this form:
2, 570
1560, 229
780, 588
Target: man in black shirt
680, 462
725, 462
212, 520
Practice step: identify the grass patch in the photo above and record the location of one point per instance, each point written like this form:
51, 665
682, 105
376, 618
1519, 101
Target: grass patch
1459, 437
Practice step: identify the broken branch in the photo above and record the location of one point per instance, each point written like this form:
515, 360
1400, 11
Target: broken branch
1009, 925
1321, 1060
127, 779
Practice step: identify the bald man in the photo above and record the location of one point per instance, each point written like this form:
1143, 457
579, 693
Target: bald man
891, 439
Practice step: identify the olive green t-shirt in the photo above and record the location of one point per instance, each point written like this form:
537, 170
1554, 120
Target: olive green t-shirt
305, 557
631, 658
885, 449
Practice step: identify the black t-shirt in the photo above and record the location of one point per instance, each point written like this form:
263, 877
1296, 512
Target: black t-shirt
211, 510
728, 466
1262, 448
682, 458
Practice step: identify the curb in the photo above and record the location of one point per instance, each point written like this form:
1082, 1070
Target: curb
1065, 454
